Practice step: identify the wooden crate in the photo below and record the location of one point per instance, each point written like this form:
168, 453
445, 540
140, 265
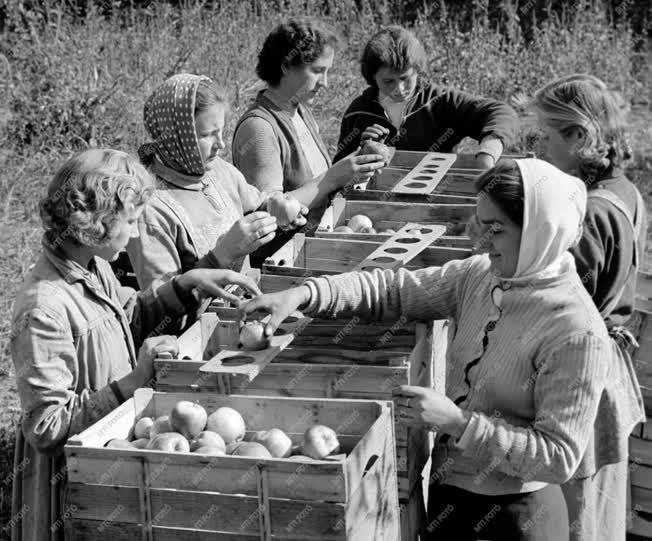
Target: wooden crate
328, 358
395, 214
304, 257
154, 495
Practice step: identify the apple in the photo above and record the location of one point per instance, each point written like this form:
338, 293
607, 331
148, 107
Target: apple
375, 147
171, 442
248, 448
285, 208
228, 423
207, 439
252, 336
188, 418
118, 443
368, 230
142, 427
359, 222
161, 424
140, 443
299, 458
320, 441
342, 229
210, 450
275, 440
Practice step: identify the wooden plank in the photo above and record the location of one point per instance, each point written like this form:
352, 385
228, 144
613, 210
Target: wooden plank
422, 213
431, 198
401, 248
642, 499
644, 285
641, 524
640, 451
444, 240
424, 177
640, 475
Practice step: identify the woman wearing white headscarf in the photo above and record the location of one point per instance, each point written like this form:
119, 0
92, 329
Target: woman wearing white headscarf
528, 363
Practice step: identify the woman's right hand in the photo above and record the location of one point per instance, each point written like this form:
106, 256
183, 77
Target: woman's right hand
151, 349
280, 305
375, 132
355, 168
246, 235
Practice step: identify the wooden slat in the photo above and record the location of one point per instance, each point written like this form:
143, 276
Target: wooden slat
644, 285
399, 249
444, 240
640, 451
424, 177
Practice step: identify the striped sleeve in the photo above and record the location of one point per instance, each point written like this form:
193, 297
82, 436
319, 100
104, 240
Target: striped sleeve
425, 294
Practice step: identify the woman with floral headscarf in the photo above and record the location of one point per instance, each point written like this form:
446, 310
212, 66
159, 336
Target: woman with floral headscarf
529, 361
203, 213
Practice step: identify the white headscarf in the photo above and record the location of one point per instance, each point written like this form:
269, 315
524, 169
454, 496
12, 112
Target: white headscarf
554, 208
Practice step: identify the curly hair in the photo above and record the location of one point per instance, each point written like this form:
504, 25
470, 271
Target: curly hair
393, 47
209, 93
503, 184
294, 43
87, 194
584, 102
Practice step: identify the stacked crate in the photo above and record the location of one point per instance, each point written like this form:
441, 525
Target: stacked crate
640, 448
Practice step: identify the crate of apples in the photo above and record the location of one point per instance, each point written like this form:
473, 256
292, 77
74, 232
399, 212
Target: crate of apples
189, 428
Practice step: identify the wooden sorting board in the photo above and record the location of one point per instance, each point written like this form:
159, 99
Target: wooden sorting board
426, 175
402, 247
236, 368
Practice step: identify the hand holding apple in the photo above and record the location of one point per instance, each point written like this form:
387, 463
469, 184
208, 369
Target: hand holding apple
252, 336
376, 147
287, 210
280, 305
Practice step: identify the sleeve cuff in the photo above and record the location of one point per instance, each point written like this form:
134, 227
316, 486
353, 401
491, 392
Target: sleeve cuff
492, 146
470, 434
320, 295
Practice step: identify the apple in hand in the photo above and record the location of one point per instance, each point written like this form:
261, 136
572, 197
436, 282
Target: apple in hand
320, 441
118, 443
248, 448
143, 427
208, 439
171, 442
359, 222
228, 423
285, 208
375, 147
275, 440
188, 418
252, 336
161, 424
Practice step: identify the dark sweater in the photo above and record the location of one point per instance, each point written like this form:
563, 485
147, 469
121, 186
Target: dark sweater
436, 119
605, 255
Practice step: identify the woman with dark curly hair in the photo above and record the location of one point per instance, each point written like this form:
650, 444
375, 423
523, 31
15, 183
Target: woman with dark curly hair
276, 143
81, 344
584, 131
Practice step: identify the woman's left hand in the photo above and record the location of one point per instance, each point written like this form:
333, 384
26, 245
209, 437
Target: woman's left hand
209, 283
419, 406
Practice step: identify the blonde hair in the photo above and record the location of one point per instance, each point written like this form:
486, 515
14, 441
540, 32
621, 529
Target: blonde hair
87, 194
583, 101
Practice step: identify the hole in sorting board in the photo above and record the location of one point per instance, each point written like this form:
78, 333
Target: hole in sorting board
383, 259
237, 360
280, 332
436, 159
407, 240
423, 177
290, 319
420, 231
396, 250
430, 169
416, 185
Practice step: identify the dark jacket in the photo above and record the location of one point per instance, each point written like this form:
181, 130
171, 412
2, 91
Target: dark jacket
436, 119
605, 255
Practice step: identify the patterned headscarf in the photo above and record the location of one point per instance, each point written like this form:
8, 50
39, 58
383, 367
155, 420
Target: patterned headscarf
169, 116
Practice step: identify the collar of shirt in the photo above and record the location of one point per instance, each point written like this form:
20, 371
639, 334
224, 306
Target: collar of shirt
179, 180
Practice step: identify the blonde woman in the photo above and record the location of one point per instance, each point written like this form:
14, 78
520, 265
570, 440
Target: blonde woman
81, 344
585, 136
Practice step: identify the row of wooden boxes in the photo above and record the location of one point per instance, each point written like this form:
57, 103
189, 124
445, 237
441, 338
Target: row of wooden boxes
640, 442
334, 372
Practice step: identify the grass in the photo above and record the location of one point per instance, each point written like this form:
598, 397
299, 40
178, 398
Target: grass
72, 84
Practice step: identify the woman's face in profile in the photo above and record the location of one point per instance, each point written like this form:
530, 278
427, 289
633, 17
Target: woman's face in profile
307, 80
